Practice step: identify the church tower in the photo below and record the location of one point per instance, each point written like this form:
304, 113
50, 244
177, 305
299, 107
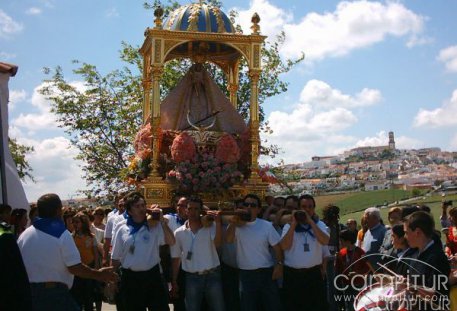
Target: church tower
391, 141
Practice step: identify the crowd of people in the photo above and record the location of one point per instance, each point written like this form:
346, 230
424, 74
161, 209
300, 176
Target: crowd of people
248, 255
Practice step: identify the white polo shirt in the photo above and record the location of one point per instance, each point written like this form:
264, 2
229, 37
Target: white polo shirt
296, 257
110, 225
146, 247
173, 224
46, 257
252, 244
201, 244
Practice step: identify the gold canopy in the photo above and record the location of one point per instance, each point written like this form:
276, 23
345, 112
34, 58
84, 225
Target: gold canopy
186, 35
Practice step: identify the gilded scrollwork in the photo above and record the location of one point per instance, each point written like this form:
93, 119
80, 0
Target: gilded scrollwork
219, 19
158, 51
193, 17
257, 56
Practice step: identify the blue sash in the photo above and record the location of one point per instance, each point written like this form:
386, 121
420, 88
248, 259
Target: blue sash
52, 226
135, 225
306, 228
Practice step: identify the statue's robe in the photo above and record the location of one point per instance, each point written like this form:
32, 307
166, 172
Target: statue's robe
198, 95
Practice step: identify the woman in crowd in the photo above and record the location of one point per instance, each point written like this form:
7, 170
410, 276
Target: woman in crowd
68, 214
84, 289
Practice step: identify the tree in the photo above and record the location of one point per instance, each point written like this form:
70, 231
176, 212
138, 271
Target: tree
19, 153
102, 116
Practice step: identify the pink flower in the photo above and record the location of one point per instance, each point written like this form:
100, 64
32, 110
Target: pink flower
188, 176
183, 148
143, 138
227, 150
195, 181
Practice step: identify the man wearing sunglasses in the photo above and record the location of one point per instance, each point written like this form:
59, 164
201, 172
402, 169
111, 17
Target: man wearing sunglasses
258, 268
302, 242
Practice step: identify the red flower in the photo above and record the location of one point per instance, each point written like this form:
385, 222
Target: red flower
227, 150
183, 148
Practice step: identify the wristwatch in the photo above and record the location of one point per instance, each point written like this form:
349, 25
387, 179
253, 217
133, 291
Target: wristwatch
280, 262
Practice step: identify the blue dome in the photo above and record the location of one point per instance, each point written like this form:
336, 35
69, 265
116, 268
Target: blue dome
199, 17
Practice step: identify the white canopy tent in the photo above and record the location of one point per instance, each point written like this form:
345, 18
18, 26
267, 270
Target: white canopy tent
12, 192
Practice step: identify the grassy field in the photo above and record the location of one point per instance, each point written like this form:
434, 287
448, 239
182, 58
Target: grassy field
352, 202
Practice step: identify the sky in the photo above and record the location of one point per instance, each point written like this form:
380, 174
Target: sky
370, 67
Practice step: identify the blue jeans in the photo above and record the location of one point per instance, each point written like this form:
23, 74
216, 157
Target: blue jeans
55, 298
208, 286
258, 290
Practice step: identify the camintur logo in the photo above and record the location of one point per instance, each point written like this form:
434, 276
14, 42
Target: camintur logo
423, 288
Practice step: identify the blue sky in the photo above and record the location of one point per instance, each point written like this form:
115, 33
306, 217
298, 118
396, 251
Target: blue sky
371, 67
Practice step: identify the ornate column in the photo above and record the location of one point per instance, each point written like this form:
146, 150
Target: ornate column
254, 75
156, 72
146, 87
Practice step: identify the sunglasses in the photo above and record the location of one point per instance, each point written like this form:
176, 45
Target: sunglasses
99, 214
247, 204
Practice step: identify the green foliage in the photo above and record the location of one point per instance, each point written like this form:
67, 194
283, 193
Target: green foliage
103, 115
19, 153
416, 192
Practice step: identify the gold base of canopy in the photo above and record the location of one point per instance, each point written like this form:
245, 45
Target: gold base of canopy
159, 191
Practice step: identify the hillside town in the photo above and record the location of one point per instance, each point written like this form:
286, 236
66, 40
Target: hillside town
374, 168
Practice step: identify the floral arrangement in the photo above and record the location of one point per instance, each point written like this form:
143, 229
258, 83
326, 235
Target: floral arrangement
227, 149
183, 148
138, 168
204, 173
211, 169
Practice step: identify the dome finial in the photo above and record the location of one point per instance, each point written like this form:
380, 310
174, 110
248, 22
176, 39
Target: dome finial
158, 12
255, 24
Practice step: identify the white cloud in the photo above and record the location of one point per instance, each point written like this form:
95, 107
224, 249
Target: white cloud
33, 11
112, 12
8, 26
316, 123
43, 119
439, 117
350, 26
449, 57
16, 96
320, 93
7, 56
272, 18
54, 168
35, 122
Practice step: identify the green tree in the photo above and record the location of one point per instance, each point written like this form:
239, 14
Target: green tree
19, 153
102, 116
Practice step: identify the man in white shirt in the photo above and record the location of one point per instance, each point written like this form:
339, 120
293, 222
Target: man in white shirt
51, 258
258, 268
136, 251
109, 228
374, 236
196, 252
176, 220
303, 243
